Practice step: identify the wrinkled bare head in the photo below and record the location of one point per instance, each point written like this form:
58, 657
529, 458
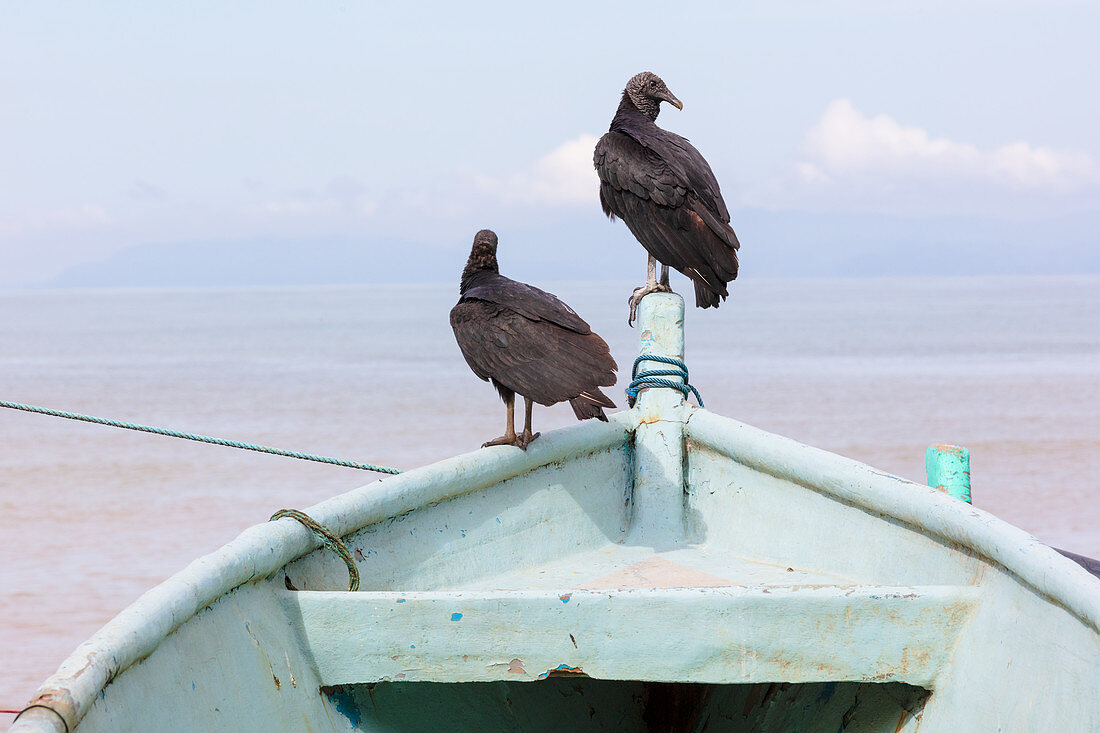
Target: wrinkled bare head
483, 256
647, 90
486, 240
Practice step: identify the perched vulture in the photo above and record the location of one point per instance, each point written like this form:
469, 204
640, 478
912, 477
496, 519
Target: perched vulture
527, 342
660, 185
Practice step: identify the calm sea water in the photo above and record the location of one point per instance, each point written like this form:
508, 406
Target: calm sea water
873, 369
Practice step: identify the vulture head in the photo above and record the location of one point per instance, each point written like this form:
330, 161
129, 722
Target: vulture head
647, 90
483, 256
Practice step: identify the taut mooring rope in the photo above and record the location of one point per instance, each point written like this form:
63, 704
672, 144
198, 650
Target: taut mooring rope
652, 378
200, 438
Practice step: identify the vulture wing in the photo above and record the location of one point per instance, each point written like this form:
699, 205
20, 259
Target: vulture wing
534, 357
667, 195
527, 300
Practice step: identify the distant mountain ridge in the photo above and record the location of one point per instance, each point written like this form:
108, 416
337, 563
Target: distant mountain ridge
775, 244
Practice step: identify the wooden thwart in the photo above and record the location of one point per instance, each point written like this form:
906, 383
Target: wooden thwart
715, 635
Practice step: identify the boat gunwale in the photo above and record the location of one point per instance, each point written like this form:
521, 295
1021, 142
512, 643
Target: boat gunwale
921, 508
263, 549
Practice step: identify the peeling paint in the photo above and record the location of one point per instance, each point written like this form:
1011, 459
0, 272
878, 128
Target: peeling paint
562, 670
344, 702
948, 469
994, 559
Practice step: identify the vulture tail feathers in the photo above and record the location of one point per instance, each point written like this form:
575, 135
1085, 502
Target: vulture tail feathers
590, 403
705, 297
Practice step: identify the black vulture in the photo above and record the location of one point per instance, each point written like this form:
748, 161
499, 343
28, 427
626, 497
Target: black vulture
527, 342
660, 185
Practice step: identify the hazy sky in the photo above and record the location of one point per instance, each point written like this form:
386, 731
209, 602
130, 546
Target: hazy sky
126, 124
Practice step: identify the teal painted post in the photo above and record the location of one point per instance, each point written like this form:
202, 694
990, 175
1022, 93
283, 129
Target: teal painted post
948, 468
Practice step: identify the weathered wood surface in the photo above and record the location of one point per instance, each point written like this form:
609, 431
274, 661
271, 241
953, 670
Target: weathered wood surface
714, 635
687, 546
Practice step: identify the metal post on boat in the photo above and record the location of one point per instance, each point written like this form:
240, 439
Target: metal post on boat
948, 468
656, 512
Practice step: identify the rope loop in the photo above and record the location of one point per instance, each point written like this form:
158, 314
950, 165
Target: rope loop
653, 378
328, 539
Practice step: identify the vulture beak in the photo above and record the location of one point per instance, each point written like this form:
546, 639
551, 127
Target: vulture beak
671, 99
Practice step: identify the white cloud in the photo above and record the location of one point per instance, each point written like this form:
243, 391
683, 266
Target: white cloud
849, 160
562, 177
845, 142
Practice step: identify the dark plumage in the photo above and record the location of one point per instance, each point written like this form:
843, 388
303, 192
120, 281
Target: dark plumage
527, 342
660, 185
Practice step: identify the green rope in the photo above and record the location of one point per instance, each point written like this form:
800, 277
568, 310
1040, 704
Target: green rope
200, 438
328, 539
652, 378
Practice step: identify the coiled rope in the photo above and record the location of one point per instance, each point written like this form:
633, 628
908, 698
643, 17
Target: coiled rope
653, 378
329, 540
200, 438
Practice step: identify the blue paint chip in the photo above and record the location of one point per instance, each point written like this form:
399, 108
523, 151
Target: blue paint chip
412, 646
564, 598
346, 705
560, 668
400, 600
463, 532
192, 686
456, 616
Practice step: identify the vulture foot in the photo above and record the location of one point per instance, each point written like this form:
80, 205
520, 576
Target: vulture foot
641, 292
507, 439
524, 439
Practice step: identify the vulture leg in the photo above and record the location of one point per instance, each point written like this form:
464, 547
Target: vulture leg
524, 439
650, 286
509, 437
664, 276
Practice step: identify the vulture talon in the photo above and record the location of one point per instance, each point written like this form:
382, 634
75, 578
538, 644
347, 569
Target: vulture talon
525, 438
639, 293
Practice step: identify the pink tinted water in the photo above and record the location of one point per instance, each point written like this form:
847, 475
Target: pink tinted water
873, 369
